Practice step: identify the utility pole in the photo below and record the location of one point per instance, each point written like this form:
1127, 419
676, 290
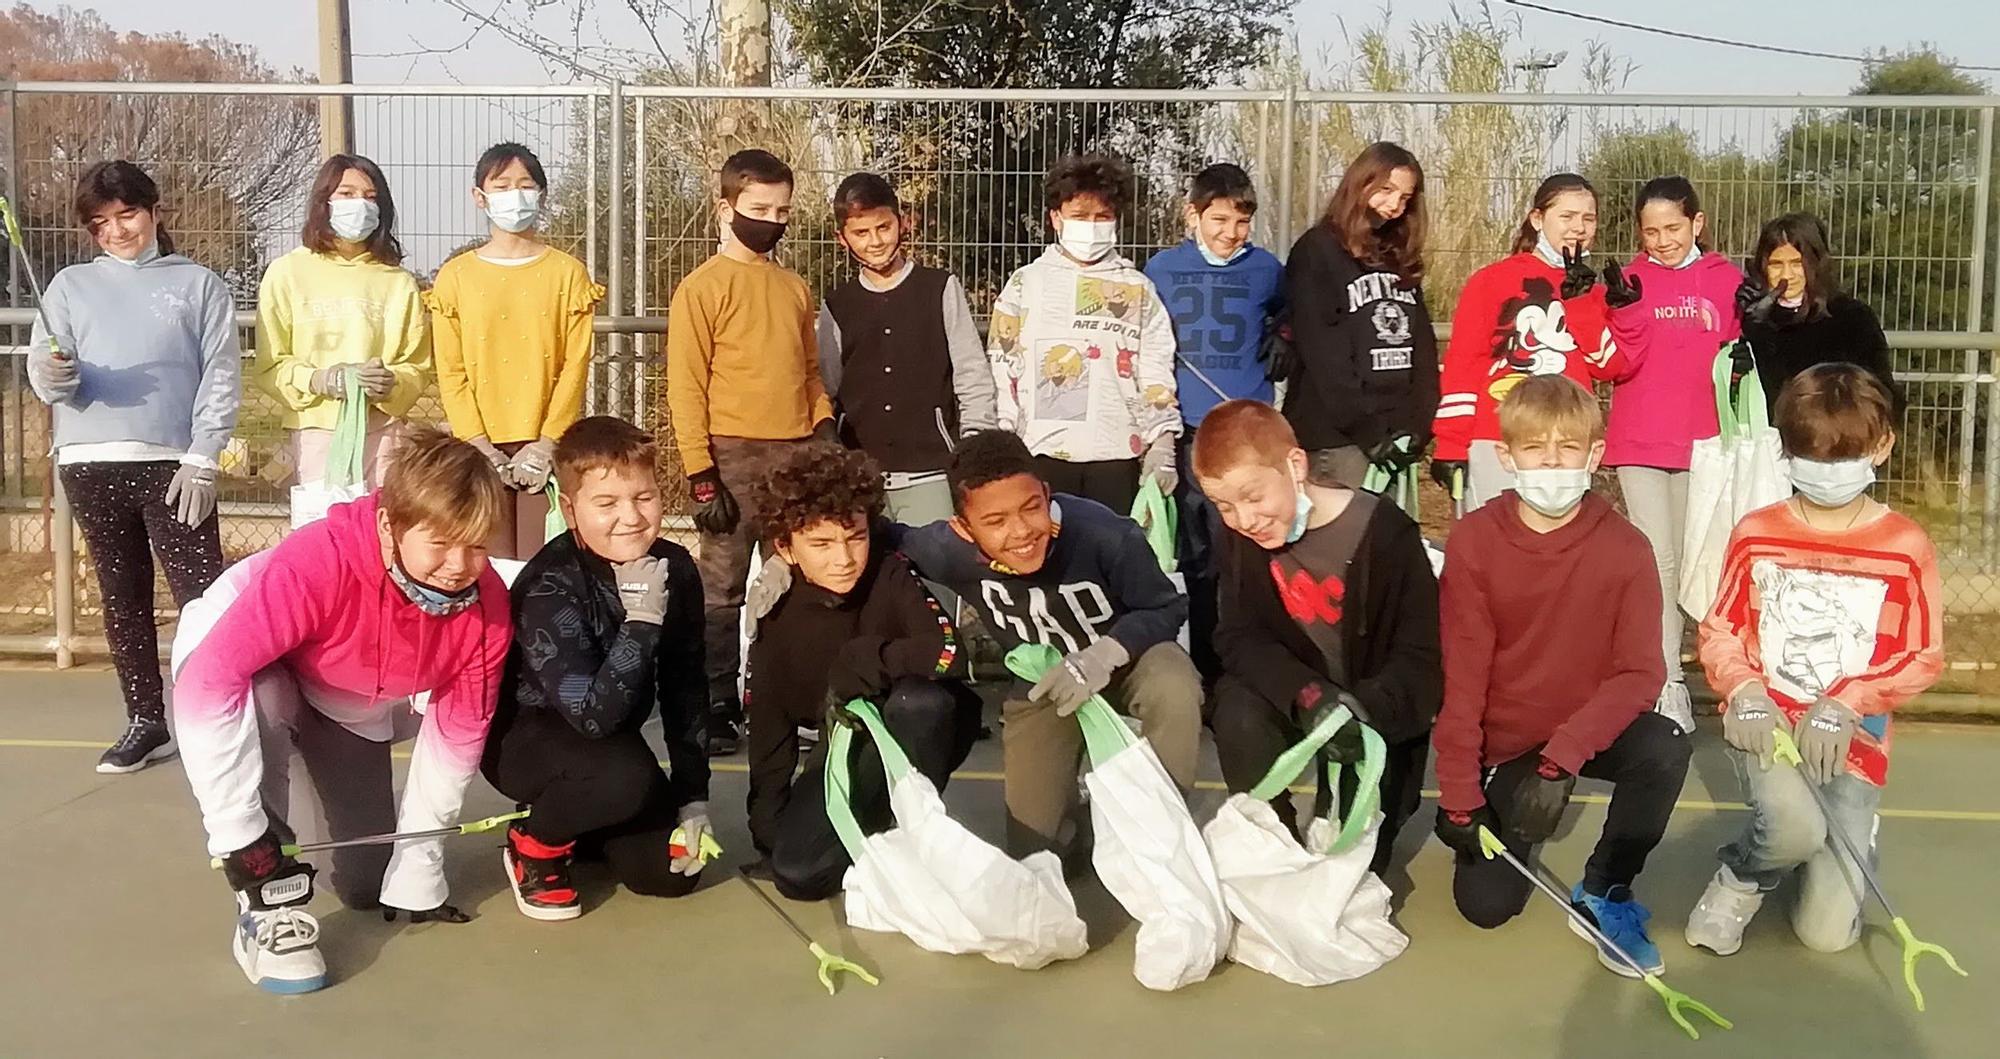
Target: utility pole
336, 66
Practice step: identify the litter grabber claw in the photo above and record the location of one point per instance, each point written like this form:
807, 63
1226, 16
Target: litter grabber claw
677, 845
13, 226
829, 964
472, 828
1914, 948
1676, 1001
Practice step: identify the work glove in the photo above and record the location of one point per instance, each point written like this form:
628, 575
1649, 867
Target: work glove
1394, 452
1823, 735
376, 379
774, 579
1460, 830
265, 874
1742, 361
1577, 275
857, 671
1539, 803
694, 827
192, 494
332, 381
715, 511
1083, 673
55, 374
1159, 464
1314, 702
825, 430
642, 588
1749, 722
529, 470
1753, 298
1278, 353
1621, 290
443, 913
493, 455
1450, 474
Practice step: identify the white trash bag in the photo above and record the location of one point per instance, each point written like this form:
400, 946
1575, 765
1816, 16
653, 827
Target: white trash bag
345, 476
938, 884
1146, 850
1741, 469
1311, 915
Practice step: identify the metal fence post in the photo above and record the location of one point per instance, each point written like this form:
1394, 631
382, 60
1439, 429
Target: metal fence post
62, 546
19, 456
1975, 305
1288, 113
590, 182
639, 214
1990, 479
616, 225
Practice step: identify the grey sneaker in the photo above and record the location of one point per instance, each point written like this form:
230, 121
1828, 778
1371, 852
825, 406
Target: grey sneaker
1725, 908
1675, 706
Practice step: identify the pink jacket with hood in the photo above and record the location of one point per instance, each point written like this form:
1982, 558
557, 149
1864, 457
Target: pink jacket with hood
321, 605
1665, 398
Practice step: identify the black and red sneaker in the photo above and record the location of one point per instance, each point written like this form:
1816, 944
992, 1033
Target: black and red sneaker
539, 875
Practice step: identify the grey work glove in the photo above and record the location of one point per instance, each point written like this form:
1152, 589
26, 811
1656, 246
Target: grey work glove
56, 375
1083, 673
642, 587
192, 494
493, 455
376, 379
1749, 721
529, 470
1159, 464
1823, 735
694, 826
332, 381
774, 579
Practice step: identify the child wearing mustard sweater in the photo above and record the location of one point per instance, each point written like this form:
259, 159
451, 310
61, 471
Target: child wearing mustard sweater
511, 326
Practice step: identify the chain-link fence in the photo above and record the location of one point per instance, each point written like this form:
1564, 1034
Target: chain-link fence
1905, 185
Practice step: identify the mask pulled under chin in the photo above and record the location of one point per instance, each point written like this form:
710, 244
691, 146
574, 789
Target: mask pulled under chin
431, 599
150, 253
1547, 251
757, 236
1551, 491
1215, 259
1832, 483
1301, 515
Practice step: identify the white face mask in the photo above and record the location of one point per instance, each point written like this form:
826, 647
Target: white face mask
1693, 255
1832, 483
149, 253
513, 211
1301, 514
353, 219
1087, 241
1553, 491
1215, 259
1547, 251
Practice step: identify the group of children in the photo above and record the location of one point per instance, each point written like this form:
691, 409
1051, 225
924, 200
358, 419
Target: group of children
881, 460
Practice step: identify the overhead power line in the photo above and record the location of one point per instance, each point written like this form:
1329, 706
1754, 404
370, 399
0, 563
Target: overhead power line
1724, 41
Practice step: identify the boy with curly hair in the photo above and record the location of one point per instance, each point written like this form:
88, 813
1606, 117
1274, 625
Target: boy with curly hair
1083, 349
840, 616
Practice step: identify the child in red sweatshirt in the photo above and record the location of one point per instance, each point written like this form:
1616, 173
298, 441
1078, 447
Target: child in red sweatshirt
1551, 617
1829, 619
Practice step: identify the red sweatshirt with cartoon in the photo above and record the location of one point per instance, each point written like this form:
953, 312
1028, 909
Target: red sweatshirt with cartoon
1511, 322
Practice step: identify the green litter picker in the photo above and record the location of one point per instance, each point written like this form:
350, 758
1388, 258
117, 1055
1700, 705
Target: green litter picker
829, 964
472, 828
13, 225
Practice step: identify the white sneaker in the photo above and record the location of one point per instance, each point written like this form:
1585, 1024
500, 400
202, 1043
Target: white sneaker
278, 949
1725, 908
1675, 706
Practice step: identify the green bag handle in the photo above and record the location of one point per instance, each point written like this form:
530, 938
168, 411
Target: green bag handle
1104, 734
839, 786
1743, 415
346, 462
1368, 786
553, 525
1377, 480
1155, 513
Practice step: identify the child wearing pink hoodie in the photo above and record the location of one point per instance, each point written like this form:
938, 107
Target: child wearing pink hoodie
1665, 398
317, 645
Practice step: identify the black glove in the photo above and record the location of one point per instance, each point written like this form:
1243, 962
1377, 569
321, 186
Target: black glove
263, 872
1448, 473
1577, 276
857, 671
1753, 298
441, 914
1621, 290
825, 430
839, 716
1460, 831
1539, 804
715, 511
1318, 699
1386, 455
1277, 352
1741, 361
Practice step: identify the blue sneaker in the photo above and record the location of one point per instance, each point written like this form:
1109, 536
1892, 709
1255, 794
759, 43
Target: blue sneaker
1623, 920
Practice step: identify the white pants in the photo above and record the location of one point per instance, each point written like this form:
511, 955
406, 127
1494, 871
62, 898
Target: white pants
1656, 501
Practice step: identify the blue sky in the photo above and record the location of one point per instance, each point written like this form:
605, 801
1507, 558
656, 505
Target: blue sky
283, 31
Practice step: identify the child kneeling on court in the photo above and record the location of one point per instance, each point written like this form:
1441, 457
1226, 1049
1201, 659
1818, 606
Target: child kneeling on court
1828, 619
1327, 599
607, 625
840, 617
1550, 608
317, 645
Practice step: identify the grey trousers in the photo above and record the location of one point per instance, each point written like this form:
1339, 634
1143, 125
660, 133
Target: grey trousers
1657, 501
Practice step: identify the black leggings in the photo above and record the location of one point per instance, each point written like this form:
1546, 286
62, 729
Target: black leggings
1251, 731
603, 794
1646, 765
1113, 483
122, 509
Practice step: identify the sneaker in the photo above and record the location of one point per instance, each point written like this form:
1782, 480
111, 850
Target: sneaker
539, 877
1675, 706
723, 731
278, 948
1623, 920
1725, 908
143, 743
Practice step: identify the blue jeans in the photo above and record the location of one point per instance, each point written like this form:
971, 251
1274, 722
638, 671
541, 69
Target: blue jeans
1787, 830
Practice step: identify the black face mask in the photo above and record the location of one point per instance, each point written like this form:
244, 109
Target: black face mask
759, 237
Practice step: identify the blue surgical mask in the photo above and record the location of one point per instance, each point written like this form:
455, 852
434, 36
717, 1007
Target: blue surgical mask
1300, 517
431, 599
515, 210
1210, 255
1832, 483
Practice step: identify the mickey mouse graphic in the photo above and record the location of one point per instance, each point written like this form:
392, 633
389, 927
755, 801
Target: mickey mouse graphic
1532, 337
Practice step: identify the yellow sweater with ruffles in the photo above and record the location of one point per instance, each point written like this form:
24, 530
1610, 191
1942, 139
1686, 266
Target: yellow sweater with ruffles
513, 344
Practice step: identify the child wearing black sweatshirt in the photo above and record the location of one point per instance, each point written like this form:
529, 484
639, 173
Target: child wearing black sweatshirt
839, 616
607, 624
